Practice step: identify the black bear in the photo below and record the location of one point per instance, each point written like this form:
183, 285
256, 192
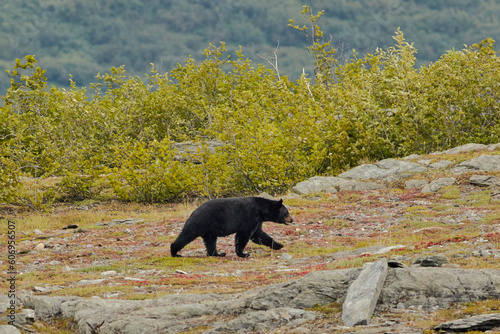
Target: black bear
221, 217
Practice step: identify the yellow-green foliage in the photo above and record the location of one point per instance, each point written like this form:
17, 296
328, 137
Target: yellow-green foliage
276, 132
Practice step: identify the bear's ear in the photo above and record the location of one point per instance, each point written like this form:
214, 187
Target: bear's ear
281, 201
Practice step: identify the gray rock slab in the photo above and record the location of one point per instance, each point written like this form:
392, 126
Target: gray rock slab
431, 261
332, 184
493, 147
363, 294
388, 169
441, 164
435, 288
9, 329
484, 180
463, 149
438, 184
126, 221
264, 321
481, 322
46, 307
415, 184
484, 162
426, 288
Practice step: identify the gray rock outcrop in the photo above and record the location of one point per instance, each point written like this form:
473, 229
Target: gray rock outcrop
266, 307
9, 329
388, 169
484, 162
484, 180
438, 184
481, 322
331, 184
435, 288
463, 149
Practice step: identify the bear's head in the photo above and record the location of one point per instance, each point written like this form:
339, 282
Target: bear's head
283, 215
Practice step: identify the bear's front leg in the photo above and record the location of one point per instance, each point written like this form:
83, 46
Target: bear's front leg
241, 241
211, 245
262, 238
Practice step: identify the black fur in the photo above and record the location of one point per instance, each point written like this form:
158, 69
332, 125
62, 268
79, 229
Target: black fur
221, 217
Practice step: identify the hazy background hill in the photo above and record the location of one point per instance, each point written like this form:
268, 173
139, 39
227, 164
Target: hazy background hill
83, 37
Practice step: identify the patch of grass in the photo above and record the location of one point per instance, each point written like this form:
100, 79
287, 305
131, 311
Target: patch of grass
333, 308
450, 192
336, 223
442, 207
56, 326
352, 263
482, 198
99, 269
417, 209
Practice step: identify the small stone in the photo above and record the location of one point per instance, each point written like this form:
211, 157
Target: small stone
90, 281
441, 164
484, 180
481, 322
29, 315
415, 184
426, 163
485, 252
438, 184
55, 263
109, 273
70, 227
40, 246
38, 232
286, 256
41, 289
133, 279
431, 261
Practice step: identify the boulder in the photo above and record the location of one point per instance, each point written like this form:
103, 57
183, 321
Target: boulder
363, 294
388, 169
463, 149
266, 307
331, 184
438, 184
264, 321
441, 164
481, 322
9, 329
415, 184
431, 261
434, 288
484, 180
485, 162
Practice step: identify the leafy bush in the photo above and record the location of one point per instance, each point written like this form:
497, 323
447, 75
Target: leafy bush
275, 132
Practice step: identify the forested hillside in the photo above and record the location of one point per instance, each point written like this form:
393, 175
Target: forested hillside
84, 37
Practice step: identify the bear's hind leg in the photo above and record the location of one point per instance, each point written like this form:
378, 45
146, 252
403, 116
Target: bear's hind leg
262, 238
241, 241
211, 245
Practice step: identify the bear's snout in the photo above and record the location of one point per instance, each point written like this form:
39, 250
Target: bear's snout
288, 220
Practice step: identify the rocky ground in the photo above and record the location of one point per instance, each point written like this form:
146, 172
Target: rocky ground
444, 204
